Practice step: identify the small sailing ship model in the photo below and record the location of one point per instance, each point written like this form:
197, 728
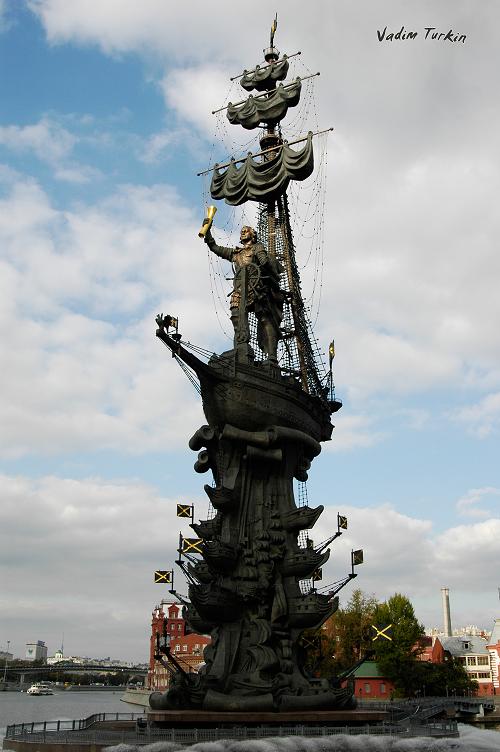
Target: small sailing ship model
268, 402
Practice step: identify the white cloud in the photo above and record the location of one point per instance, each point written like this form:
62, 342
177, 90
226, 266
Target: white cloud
483, 418
398, 363
407, 274
157, 146
398, 548
94, 544
416, 419
475, 547
154, 27
47, 139
84, 287
93, 547
467, 505
352, 431
5, 21
410, 223
53, 145
410, 294
114, 25
25, 211
404, 554
78, 174
211, 86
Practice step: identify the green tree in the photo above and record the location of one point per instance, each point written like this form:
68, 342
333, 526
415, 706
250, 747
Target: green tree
345, 637
397, 658
445, 679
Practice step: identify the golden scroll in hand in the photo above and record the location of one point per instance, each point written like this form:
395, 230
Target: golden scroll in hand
207, 223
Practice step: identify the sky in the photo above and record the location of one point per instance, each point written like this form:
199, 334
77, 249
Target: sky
105, 119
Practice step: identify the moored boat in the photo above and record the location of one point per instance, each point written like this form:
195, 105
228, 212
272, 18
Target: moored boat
40, 688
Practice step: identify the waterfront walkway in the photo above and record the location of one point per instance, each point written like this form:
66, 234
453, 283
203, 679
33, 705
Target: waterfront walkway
470, 709
107, 729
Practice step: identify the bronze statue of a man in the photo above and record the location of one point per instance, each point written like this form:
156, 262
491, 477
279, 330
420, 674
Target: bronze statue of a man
261, 293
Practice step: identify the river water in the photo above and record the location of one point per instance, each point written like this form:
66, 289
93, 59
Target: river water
17, 707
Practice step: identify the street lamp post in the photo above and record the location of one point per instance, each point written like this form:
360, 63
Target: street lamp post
6, 661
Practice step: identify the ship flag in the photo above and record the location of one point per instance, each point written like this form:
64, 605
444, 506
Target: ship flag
191, 545
185, 510
163, 576
342, 522
273, 29
357, 557
331, 352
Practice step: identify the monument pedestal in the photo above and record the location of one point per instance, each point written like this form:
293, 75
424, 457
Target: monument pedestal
215, 719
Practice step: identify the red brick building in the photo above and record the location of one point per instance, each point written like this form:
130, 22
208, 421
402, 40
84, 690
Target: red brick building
187, 647
432, 650
480, 660
369, 684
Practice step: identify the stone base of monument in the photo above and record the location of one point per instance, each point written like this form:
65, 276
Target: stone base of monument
218, 719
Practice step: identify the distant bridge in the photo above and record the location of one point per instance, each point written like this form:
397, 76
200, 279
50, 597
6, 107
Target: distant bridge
74, 668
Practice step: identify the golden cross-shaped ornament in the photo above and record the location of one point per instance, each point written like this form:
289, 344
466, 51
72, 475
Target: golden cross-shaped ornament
311, 643
381, 633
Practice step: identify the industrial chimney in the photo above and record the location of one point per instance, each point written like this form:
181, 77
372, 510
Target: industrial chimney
445, 593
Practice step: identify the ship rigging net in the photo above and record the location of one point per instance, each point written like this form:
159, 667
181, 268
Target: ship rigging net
291, 228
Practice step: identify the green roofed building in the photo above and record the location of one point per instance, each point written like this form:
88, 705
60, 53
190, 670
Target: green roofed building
369, 684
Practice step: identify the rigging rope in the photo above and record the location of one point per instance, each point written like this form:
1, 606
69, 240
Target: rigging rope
306, 231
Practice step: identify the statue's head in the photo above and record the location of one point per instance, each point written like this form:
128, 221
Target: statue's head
248, 234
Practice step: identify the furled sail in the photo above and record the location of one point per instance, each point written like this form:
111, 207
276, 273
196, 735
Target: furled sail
269, 110
264, 180
264, 78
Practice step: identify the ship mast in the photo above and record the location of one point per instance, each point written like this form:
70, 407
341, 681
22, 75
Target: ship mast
274, 217
266, 182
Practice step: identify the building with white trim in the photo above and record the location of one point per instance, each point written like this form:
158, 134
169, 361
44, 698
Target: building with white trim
494, 651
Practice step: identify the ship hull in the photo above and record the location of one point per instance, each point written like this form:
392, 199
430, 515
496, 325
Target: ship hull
253, 399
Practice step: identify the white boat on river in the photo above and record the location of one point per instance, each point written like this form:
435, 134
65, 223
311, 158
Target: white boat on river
41, 688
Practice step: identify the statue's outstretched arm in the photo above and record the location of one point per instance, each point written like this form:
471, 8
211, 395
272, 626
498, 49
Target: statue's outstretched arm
219, 250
